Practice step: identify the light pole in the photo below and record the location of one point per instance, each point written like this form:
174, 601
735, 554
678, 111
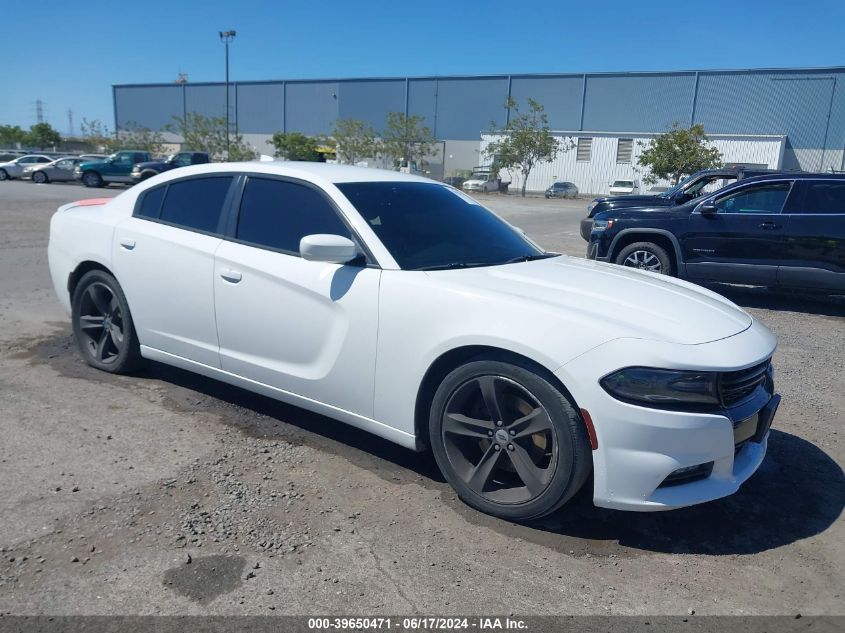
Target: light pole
226, 37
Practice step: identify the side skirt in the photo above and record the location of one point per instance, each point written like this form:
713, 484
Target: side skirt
353, 419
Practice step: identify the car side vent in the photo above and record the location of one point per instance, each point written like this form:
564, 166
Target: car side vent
735, 386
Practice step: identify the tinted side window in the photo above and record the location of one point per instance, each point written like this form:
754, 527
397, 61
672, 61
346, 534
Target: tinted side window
766, 198
150, 205
278, 214
823, 197
196, 203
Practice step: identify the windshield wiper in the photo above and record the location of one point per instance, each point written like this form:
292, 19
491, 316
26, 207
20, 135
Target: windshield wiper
453, 265
529, 258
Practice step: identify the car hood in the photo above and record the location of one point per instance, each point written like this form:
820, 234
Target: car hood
474, 181
619, 302
636, 201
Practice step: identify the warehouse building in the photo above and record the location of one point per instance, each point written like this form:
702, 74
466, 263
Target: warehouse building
788, 118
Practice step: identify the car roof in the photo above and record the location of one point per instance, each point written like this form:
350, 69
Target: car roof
795, 175
322, 172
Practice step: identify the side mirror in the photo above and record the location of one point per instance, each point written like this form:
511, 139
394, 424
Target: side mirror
333, 249
708, 208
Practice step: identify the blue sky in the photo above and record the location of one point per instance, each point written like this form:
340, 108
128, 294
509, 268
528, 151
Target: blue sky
69, 54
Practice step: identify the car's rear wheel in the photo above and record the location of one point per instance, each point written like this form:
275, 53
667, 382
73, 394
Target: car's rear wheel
4, 175
102, 324
645, 256
92, 179
39, 177
507, 440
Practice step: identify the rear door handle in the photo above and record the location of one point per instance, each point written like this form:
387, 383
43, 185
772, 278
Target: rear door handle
232, 276
769, 226
127, 244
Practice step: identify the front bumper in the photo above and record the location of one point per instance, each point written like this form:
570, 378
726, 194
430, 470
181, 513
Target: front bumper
639, 447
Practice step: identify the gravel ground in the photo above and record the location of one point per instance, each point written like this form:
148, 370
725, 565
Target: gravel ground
169, 493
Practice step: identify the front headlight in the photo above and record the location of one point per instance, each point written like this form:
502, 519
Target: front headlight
602, 225
663, 387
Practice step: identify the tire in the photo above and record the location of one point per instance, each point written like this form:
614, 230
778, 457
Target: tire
92, 179
646, 256
4, 175
40, 178
102, 324
550, 445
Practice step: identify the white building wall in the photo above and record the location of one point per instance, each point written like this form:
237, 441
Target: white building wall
596, 175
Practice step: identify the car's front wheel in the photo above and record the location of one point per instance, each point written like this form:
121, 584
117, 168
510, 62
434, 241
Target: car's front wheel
507, 440
4, 175
645, 256
102, 324
92, 179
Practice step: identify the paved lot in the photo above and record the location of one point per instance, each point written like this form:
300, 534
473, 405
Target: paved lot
111, 485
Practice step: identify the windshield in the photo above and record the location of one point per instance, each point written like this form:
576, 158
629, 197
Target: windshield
427, 226
671, 191
624, 183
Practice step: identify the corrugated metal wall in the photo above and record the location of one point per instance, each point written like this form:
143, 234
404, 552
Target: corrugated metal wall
595, 175
807, 106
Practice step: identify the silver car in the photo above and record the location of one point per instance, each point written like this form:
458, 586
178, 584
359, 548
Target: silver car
14, 168
60, 170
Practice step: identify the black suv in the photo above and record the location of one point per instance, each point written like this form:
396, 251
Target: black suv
142, 171
775, 230
698, 184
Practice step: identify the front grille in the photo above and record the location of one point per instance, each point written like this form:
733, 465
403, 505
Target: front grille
735, 386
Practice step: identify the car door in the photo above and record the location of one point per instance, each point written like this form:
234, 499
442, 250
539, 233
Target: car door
63, 170
120, 168
164, 260
743, 241
305, 327
814, 250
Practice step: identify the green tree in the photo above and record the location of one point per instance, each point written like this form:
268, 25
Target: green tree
42, 135
407, 139
98, 136
525, 141
296, 146
208, 134
354, 140
142, 138
678, 153
11, 135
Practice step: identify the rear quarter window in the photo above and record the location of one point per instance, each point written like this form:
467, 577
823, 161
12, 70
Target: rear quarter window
823, 198
196, 204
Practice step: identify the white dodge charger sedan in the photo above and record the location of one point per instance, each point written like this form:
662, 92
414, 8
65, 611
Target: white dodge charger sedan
403, 307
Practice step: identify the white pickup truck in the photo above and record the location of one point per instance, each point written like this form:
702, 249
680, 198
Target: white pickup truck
483, 180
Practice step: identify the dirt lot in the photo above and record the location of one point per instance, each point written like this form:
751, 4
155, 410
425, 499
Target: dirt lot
168, 493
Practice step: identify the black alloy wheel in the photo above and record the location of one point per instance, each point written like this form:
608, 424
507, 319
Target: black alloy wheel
507, 440
103, 324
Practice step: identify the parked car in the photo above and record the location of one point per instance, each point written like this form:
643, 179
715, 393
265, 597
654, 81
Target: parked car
60, 170
777, 230
701, 182
142, 171
14, 168
624, 188
482, 180
114, 168
562, 190
215, 269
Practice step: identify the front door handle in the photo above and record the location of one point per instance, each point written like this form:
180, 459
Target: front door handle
127, 244
769, 226
232, 276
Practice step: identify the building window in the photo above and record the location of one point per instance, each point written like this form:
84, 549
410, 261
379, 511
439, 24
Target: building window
585, 150
624, 149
